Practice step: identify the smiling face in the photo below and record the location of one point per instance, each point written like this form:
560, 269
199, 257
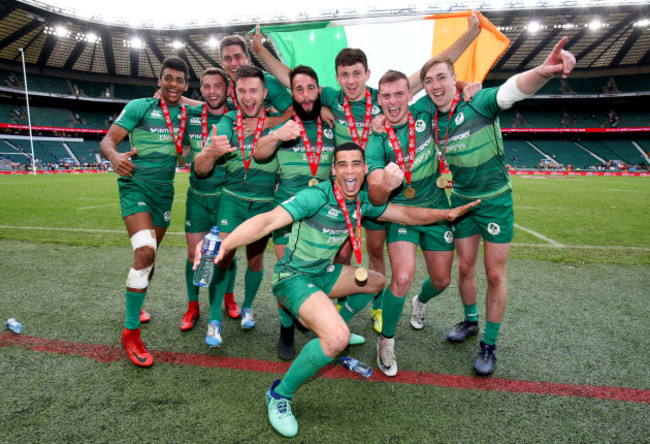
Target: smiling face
305, 93
250, 95
440, 84
232, 58
353, 80
349, 170
394, 98
173, 84
214, 90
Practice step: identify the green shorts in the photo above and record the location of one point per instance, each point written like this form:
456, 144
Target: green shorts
493, 218
370, 223
137, 196
293, 291
233, 211
201, 212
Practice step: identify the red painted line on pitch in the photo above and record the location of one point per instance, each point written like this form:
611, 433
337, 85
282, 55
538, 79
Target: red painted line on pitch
105, 353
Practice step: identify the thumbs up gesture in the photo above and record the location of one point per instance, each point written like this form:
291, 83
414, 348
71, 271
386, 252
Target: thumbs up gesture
218, 145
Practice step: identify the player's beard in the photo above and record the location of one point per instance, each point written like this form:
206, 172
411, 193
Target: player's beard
307, 116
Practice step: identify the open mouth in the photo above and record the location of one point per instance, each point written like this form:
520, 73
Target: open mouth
350, 185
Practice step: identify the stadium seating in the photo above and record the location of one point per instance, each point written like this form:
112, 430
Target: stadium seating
133, 91
615, 150
520, 154
84, 151
566, 152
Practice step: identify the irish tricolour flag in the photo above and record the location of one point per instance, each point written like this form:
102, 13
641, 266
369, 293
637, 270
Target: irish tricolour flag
403, 44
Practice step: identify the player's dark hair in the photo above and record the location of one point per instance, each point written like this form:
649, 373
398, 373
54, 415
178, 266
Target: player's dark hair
302, 69
231, 40
349, 57
248, 71
215, 71
177, 64
348, 146
393, 76
431, 63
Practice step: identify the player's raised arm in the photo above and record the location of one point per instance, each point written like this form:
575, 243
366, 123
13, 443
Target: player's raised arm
276, 67
454, 51
423, 216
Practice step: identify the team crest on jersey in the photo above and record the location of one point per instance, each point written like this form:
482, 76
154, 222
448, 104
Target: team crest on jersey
460, 118
493, 228
188, 223
224, 222
155, 114
328, 133
195, 120
449, 237
330, 268
289, 200
420, 125
375, 109
402, 230
332, 212
167, 216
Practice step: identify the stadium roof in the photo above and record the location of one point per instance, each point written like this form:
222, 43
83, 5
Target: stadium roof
603, 38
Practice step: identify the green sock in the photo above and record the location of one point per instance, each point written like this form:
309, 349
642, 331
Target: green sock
378, 301
354, 304
252, 281
192, 290
491, 332
428, 291
216, 291
471, 312
391, 313
232, 276
134, 303
285, 318
309, 361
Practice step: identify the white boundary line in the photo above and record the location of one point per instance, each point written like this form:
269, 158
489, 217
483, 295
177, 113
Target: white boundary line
98, 206
541, 236
551, 244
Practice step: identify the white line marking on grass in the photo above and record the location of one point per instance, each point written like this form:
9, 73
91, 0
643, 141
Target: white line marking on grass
86, 230
539, 208
98, 206
541, 236
590, 247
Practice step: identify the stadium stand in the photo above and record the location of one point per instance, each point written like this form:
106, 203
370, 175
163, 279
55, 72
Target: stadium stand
566, 152
132, 91
84, 151
49, 84
521, 154
615, 150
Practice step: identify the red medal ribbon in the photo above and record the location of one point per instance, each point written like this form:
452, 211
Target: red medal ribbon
178, 141
366, 120
398, 148
444, 166
204, 124
233, 97
240, 135
312, 156
355, 240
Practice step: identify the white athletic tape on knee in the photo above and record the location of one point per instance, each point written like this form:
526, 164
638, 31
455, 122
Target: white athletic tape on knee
144, 238
139, 279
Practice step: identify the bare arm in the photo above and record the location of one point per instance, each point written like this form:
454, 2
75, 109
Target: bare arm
454, 51
276, 67
268, 144
381, 182
558, 61
250, 123
422, 216
217, 147
251, 230
121, 162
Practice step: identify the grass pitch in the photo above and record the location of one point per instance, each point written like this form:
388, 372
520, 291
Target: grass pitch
577, 314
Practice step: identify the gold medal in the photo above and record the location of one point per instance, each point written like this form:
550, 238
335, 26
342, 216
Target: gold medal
441, 182
313, 181
409, 192
181, 161
361, 275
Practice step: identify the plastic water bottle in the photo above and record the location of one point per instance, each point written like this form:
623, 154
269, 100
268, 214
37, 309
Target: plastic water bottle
14, 325
353, 364
209, 250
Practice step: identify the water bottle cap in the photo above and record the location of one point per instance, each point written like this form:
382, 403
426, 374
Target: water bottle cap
214, 230
345, 358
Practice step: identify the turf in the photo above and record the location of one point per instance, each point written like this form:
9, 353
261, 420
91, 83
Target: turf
577, 314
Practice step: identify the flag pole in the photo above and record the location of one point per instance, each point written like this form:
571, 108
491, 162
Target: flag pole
29, 116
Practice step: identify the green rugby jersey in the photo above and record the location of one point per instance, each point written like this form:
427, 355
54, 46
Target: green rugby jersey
277, 97
156, 157
294, 170
261, 177
318, 230
333, 99
380, 153
212, 184
475, 151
